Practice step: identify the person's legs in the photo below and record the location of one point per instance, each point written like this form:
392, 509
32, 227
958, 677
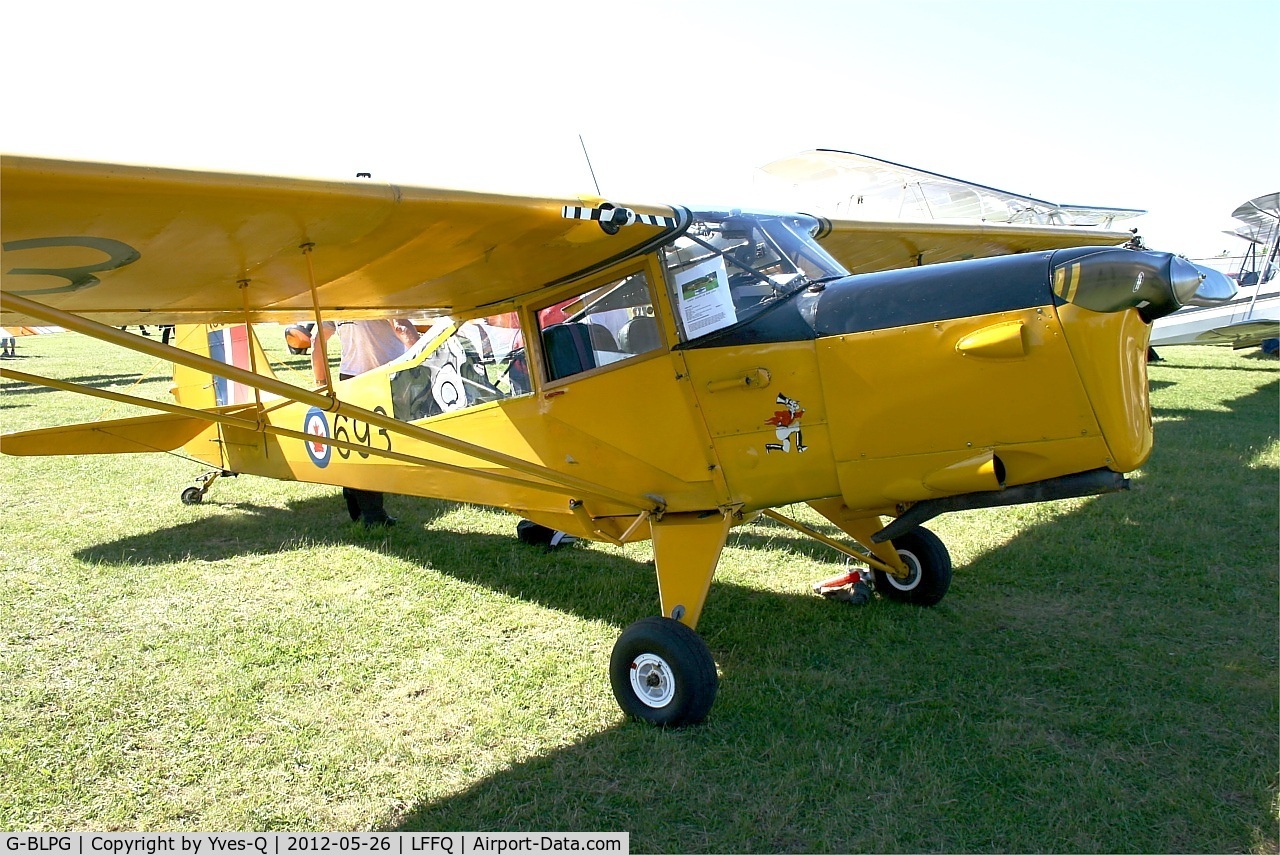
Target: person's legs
365, 505
372, 510
353, 504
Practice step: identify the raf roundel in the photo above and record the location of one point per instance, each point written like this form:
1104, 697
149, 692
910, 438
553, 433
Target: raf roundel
317, 425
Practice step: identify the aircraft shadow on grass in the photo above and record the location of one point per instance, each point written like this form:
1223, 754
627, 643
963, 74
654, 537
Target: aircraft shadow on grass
1086, 677
608, 587
97, 381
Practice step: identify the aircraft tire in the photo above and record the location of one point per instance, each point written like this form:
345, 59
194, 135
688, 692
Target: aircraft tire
192, 496
662, 673
930, 563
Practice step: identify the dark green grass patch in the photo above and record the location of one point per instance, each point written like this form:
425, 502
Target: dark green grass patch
1101, 677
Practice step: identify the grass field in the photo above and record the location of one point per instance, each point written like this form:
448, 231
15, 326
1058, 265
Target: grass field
1101, 678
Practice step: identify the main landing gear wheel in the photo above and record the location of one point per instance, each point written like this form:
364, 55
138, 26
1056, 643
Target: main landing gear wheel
930, 564
662, 672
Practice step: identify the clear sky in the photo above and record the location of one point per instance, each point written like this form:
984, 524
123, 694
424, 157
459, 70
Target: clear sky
1168, 106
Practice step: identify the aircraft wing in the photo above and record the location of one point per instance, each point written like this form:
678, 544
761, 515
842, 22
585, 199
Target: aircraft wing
868, 246
1261, 212
130, 244
1261, 220
844, 183
1244, 334
1238, 335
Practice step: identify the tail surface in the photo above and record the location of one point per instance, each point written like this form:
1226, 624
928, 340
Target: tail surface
234, 345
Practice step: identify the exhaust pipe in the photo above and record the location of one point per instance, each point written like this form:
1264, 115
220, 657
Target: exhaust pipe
982, 473
1092, 483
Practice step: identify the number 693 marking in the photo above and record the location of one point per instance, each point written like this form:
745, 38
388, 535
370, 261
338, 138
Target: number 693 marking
360, 433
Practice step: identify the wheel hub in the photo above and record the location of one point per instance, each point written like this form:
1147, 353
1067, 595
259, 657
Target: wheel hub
651, 680
912, 579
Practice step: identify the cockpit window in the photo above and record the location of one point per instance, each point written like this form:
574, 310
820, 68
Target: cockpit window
608, 324
729, 265
482, 361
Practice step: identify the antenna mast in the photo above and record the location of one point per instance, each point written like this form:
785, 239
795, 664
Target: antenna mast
589, 167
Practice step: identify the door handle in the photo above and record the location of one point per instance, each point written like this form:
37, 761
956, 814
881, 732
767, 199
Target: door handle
756, 378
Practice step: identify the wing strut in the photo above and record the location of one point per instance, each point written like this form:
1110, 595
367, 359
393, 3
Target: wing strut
243, 284
228, 416
567, 483
318, 341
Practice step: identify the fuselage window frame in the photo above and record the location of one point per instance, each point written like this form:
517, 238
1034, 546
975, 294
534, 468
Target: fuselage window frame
604, 338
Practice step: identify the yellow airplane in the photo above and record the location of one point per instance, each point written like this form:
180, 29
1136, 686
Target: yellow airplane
617, 373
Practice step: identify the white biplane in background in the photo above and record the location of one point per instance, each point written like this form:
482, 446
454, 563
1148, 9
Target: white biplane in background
650, 372
1252, 316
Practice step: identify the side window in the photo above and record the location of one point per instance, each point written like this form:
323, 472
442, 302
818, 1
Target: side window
608, 324
482, 361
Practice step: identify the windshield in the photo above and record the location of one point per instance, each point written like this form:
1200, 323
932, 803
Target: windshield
730, 265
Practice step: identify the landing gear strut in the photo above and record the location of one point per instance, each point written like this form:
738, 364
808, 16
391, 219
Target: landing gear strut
195, 495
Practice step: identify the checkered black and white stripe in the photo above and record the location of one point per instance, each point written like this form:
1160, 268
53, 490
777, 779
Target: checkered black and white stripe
616, 216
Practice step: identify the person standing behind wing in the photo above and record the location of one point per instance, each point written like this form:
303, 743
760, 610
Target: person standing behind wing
365, 346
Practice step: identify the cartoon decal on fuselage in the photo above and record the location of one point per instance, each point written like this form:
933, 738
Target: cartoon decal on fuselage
786, 423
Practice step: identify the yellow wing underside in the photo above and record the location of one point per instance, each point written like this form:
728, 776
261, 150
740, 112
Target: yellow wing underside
127, 243
130, 244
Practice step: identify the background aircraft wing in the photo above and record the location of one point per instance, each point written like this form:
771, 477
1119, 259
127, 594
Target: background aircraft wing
130, 244
1238, 335
866, 246
845, 184
1261, 218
